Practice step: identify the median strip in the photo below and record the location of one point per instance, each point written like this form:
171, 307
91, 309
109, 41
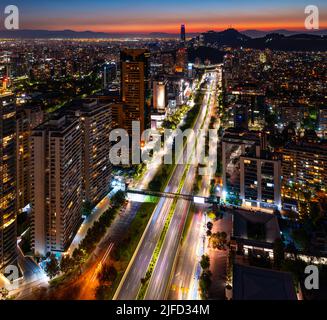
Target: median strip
156, 252
145, 281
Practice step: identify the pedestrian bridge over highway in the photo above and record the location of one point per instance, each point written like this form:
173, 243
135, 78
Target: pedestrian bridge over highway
132, 195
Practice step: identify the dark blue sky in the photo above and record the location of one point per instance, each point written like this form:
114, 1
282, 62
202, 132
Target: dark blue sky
167, 15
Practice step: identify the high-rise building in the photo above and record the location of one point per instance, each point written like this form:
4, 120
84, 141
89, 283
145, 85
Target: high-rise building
250, 173
135, 87
241, 116
8, 216
181, 61
57, 183
292, 114
109, 73
96, 126
160, 95
260, 180
235, 143
28, 118
183, 35
304, 167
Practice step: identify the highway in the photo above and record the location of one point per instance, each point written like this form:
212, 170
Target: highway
184, 284
161, 277
131, 282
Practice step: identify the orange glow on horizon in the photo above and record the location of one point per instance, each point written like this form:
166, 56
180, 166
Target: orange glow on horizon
190, 28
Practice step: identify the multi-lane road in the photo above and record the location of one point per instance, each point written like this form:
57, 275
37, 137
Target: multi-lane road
160, 280
184, 284
131, 281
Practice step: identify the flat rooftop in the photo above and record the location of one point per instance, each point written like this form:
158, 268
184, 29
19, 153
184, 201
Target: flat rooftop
256, 226
253, 283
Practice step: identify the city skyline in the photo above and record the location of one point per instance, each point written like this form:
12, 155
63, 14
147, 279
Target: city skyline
163, 159
126, 17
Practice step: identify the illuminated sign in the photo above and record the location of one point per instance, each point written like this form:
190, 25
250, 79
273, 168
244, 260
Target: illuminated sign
199, 200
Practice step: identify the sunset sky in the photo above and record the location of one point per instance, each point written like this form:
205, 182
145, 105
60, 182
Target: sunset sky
164, 16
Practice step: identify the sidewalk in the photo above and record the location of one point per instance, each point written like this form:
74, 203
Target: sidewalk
100, 208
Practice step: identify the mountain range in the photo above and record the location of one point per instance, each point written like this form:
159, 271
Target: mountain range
273, 41
283, 40
70, 34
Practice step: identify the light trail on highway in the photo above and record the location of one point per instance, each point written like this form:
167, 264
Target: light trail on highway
160, 281
131, 281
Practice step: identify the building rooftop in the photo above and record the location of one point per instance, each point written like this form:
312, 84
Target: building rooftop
253, 283
256, 228
303, 146
58, 123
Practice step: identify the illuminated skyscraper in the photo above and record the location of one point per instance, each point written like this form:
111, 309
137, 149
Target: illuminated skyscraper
7, 180
109, 73
96, 126
181, 61
304, 168
260, 180
183, 36
160, 95
28, 118
57, 183
135, 87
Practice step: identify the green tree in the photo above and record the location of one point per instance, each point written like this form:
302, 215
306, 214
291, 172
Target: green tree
218, 240
107, 275
205, 262
52, 266
87, 208
205, 283
210, 225
118, 198
79, 256
101, 292
66, 264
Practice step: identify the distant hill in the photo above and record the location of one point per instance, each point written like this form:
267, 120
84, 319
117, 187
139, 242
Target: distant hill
277, 40
298, 42
229, 37
274, 41
260, 33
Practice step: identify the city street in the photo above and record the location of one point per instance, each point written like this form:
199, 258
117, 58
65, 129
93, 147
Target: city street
132, 280
184, 285
161, 278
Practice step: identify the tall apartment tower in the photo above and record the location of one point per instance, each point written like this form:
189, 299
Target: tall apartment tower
28, 118
135, 87
97, 169
260, 180
183, 35
304, 168
235, 143
160, 95
8, 216
109, 73
57, 182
